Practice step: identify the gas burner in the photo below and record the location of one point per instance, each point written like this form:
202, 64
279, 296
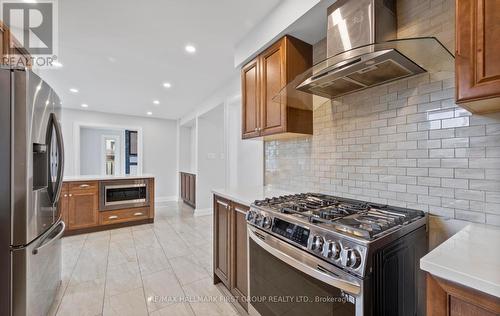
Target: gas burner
358, 218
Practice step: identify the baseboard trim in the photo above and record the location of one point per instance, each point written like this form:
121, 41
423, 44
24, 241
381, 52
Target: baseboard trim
202, 211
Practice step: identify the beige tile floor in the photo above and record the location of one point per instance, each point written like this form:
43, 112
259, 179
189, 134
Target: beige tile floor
155, 269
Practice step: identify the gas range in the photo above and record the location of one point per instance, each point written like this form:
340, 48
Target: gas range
343, 232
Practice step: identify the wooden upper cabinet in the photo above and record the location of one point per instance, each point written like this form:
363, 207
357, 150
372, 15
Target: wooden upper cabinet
272, 81
250, 98
477, 55
264, 112
9, 47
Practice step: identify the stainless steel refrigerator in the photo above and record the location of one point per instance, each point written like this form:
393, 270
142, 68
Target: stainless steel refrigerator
31, 174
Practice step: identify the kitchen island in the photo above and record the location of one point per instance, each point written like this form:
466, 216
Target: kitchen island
94, 203
464, 273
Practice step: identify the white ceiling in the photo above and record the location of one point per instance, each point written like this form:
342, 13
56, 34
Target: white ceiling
118, 53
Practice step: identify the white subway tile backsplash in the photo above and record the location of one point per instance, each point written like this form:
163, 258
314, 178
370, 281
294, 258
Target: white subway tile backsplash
405, 143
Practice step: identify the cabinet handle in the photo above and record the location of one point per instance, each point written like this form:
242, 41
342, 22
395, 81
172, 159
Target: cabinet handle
113, 217
83, 186
65, 195
70, 195
138, 214
240, 210
223, 204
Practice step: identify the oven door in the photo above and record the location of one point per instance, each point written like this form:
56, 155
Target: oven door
285, 280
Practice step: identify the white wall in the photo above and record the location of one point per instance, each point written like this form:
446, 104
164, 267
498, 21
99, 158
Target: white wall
91, 149
159, 144
245, 156
211, 156
187, 151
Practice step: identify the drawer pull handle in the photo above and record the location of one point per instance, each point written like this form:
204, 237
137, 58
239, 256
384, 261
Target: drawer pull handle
84, 186
138, 214
113, 217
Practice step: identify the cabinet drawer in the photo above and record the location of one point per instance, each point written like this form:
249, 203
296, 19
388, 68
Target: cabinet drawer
83, 186
121, 216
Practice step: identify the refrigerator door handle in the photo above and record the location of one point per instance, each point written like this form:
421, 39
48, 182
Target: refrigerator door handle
50, 238
60, 157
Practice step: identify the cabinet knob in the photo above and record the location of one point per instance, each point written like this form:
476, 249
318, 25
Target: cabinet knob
70, 195
138, 214
113, 217
65, 195
256, 129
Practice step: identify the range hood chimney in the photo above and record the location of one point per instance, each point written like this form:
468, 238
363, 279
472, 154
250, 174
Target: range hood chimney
362, 51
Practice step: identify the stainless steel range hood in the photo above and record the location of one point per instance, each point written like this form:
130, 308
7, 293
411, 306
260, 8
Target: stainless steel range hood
363, 52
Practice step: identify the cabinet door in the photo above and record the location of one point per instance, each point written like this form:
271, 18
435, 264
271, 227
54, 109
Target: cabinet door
239, 272
83, 212
250, 99
183, 186
221, 237
477, 53
273, 117
192, 190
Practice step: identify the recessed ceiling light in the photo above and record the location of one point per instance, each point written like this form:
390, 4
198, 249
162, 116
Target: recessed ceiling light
156, 102
149, 113
74, 90
167, 84
84, 105
57, 64
190, 49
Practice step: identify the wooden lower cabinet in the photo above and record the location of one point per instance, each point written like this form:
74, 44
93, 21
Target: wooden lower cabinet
238, 251
78, 207
230, 248
83, 206
222, 213
188, 188
445, 298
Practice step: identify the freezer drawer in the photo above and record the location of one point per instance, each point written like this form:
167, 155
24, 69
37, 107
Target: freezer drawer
37, 273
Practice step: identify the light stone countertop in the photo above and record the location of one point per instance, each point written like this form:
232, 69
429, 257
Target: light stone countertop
470, 258
247, 195
101, 177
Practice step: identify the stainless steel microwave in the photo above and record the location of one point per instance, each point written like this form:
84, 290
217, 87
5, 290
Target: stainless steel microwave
123, 194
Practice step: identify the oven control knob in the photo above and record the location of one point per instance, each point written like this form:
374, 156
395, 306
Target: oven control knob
250, 215
258, 220
333, 250
317, 243
267, 222
350, 258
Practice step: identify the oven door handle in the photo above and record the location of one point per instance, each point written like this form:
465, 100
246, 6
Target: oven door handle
302, 261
